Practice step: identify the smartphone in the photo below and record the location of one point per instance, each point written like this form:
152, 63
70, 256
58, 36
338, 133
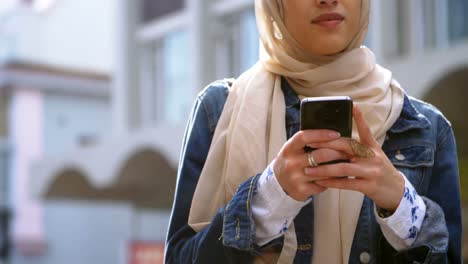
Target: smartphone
330, 112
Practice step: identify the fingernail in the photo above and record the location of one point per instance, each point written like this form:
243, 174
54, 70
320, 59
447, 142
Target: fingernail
334, 134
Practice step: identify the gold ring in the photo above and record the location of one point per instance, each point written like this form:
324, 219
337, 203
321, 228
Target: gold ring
360, 150
311, 160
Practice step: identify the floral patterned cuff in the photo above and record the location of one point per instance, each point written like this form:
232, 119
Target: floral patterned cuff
402, 227
273, 210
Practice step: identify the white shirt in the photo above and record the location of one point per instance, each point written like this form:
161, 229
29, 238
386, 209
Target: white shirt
273, 212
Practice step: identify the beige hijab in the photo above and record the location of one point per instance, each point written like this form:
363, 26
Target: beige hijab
251, 129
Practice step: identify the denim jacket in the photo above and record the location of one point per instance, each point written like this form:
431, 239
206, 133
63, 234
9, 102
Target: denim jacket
420, 144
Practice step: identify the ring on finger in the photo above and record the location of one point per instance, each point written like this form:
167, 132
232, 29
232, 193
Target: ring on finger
360, 150
311, 160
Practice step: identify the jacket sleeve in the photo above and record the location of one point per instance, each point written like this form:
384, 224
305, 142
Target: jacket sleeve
227, 239
439, 240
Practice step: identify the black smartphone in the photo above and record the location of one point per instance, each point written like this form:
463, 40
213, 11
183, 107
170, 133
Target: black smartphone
329, 112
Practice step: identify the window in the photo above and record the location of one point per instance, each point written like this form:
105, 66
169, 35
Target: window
237, 43
249, 40
458, 19
435, 18
430, 20
421, 25
368, 40
176, 77
153, 9
165, 79
426, 24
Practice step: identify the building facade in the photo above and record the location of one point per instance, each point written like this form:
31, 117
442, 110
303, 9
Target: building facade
165, 53
54, 97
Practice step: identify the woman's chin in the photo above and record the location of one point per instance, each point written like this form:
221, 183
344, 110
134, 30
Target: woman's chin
325, 45
326, 50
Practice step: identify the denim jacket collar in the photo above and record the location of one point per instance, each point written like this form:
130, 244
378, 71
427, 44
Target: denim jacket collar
409, 118
290, 96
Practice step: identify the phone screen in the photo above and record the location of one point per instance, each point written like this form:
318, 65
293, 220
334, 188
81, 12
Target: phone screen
332, 112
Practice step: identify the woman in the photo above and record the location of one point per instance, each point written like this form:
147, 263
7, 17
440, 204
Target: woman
247, 191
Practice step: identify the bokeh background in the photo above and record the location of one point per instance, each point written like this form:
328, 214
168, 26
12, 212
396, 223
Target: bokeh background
94, 98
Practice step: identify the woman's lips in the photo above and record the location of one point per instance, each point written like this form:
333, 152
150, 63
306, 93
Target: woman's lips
329, 20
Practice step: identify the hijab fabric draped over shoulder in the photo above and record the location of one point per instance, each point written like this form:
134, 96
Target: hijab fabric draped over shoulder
251, 129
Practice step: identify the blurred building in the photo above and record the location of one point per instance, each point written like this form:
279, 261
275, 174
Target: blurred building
54, 96
47, 112
94, 201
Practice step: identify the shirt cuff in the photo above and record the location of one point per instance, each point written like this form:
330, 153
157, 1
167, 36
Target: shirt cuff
402, 227
272, 209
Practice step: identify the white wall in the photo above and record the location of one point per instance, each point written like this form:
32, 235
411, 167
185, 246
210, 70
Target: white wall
94, 232
26, 137
76, 34
67, 118
417, 74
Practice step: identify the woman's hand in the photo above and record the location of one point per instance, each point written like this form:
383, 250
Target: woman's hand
374, 176
289, 166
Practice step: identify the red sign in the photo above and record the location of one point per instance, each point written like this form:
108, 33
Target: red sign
146, 252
